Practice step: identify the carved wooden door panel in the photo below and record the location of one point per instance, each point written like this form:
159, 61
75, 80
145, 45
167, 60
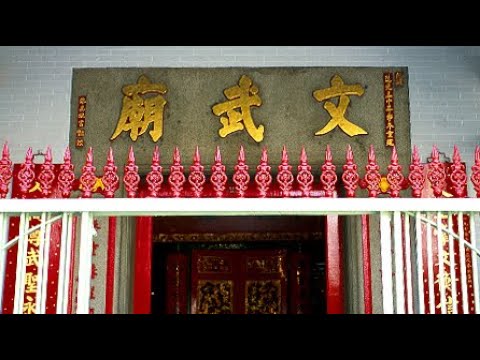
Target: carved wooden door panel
238, 282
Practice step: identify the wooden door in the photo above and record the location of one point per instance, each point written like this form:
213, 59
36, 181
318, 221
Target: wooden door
239, 282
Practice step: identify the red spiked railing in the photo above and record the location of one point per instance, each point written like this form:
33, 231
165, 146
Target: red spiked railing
196, 178
110, 178
66, 176
416, 176
5, 172
131, 179
328, 177
476, 171
176, 178
88, 177
241, 178
350, 175
437, 174
287, 184
218, 177
304, 175
263, 177
372, 176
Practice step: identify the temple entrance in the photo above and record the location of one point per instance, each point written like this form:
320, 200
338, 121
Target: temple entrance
238, 265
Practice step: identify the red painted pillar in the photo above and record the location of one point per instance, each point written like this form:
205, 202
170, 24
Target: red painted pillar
334, 266
143, 266
367, 267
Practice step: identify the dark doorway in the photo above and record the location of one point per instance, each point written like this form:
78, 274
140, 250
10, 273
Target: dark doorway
241, 265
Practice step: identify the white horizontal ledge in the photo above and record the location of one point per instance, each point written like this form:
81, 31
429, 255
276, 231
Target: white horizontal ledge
236, 206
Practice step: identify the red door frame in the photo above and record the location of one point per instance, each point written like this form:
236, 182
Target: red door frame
142, 288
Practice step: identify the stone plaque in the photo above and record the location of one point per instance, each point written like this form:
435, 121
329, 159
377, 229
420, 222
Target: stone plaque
229, 107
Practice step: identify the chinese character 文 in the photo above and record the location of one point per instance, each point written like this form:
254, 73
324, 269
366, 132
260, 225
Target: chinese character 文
337, 112
138, 111
241, 96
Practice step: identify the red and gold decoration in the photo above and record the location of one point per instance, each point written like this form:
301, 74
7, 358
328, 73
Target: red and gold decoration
81, 111
447, 179
239, 282
389, 109
5, 172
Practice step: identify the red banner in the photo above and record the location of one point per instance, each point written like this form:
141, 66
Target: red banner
32, 256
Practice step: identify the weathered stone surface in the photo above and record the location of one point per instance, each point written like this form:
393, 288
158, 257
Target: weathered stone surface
289, 112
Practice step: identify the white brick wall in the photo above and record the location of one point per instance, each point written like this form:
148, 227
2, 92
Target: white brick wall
35, 85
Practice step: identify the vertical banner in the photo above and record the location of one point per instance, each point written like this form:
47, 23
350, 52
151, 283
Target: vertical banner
447, 261
32, 255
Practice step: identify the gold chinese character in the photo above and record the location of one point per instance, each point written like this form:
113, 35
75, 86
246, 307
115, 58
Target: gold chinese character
243, 96
34, 238
339, 89
80, 133
29, 307
82, 100
138, 112
32, 257
79, 143
390, 142
30, 283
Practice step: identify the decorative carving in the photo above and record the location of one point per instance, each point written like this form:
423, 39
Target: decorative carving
437, 173
66, 176
416, 177
350, 175
213, 264
215, 297
131, 179
372, 175
241, 177
236, 237
155, 177
262, 297
26, 175
458, 175
242, 97
263, 177
5, 171
395, 177
265, 265
304, 174
328, 178
196, 178
110, 178
176, 178
337, 113
285, 177
46, 176
219, 176
476, 171
88, 178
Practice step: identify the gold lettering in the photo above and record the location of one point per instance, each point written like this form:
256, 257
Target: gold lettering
30, 283
32, 257
138, 112
241, 96
337, 112
29, 307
